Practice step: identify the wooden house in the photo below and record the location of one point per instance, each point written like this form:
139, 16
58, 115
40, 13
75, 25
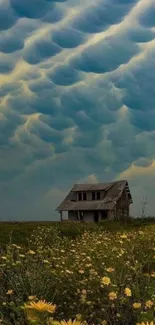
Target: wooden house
95, 202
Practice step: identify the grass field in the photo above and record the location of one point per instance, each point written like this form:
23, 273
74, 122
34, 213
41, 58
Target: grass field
96, 274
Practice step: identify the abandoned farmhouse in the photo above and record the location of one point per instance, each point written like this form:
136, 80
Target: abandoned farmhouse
95, 202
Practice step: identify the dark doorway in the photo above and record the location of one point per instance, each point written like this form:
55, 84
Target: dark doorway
104, 214
81, 216
96, 216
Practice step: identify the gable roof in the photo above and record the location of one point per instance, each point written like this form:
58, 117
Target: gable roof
113, 191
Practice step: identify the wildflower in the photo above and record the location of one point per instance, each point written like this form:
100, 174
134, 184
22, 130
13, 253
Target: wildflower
149, 304
9, 292
127, 292
81, 271
123, 236
136, 305
41, 306
69, 272
78, 316
46, 261
4, 258
88, 265
146, 323
104, 322
110, 269
140, 232
112, 295
105, 280
31, 297
31, 252
70, 322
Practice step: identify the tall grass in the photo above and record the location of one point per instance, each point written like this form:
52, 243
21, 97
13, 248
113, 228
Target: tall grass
87, 270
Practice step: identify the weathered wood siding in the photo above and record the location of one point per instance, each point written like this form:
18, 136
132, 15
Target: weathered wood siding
122, 207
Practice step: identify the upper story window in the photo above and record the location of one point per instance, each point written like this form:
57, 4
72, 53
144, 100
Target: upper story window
82, 196
96, 196
93, 195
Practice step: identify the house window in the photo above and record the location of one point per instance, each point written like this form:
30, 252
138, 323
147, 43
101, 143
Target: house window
93, 195
80, 196
84, 196
98, 196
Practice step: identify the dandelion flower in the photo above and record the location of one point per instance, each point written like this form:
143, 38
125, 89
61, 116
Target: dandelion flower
104, 322
41, 306
31, 297
9, 292
146, 323
123, 236
127, 292
71, 322
31, 252
112, 295
105, 280
136, 305
149, 304
110, 269
78, 316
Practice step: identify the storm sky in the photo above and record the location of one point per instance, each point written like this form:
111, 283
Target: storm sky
77, 101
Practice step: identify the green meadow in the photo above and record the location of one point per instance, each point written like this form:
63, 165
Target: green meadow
77, 273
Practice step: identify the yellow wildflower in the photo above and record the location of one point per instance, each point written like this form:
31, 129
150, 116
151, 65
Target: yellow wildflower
104, 322
112, 295
41, 306
110, 269
146, 323
136, 305
31, 297
46, 261
78, 316
127, 292
31, 252
71, 322
149, 304
140, 232
105, 280
123, 236
9, 292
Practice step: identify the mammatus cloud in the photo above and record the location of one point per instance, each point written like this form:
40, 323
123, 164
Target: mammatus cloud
77, 100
